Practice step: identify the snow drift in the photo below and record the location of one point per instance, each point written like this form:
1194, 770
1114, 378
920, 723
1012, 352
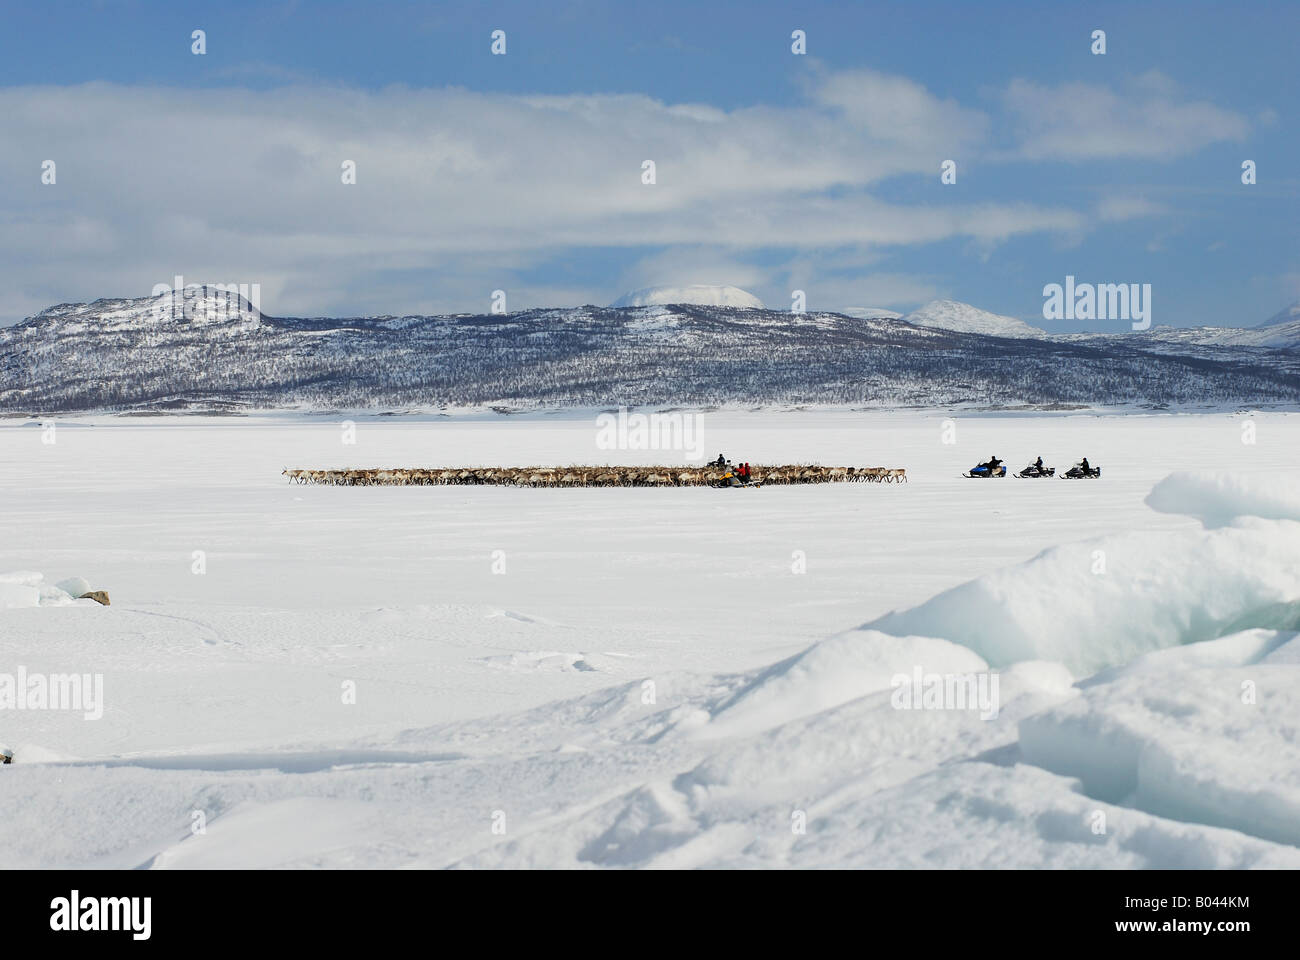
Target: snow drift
25, 588
1105, 601
1161, 765
833, 672
1196, 742
1219, 498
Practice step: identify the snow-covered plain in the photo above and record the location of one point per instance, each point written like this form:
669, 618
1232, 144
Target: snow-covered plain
612, 677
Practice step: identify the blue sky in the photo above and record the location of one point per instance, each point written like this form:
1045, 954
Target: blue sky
774, 171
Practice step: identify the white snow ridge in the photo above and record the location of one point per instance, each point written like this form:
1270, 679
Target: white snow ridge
1102, 602
699, 294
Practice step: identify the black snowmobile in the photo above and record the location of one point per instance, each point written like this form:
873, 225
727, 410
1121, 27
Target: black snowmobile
994, 468
1082, 471
1035, 470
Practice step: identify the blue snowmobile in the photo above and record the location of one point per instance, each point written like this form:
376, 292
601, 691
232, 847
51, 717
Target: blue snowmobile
993, 467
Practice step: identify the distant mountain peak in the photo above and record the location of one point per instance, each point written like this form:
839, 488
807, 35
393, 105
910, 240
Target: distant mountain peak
198, 304
870, 313
1279, 332
955, 315
700, 294
1289, 314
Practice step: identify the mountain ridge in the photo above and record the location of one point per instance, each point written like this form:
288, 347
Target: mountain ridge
214, 352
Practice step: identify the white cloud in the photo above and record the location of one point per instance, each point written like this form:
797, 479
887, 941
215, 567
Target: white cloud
459, 191
1079, 121
686, 265
897, 110
1118, 208
892, 291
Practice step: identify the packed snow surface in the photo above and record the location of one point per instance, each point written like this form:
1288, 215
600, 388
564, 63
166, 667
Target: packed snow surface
1049, 673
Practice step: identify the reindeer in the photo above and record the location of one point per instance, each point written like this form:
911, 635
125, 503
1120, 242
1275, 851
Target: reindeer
578, 476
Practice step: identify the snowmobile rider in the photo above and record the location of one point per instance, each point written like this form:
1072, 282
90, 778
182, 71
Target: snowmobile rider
1084, 463
720, 462
993, 464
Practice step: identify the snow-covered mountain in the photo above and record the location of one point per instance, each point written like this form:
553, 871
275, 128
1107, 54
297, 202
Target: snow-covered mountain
211, 351
1279, 332
699, 294
206, 305
1284, 317
955, 315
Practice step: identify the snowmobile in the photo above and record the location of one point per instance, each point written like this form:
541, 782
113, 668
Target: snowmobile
983, 471
1080, 472
1034, 470
6, 755
730, 479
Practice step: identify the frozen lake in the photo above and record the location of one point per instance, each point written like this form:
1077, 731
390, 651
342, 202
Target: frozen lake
244, 610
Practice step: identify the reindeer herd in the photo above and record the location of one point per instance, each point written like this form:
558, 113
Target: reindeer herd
591, 476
